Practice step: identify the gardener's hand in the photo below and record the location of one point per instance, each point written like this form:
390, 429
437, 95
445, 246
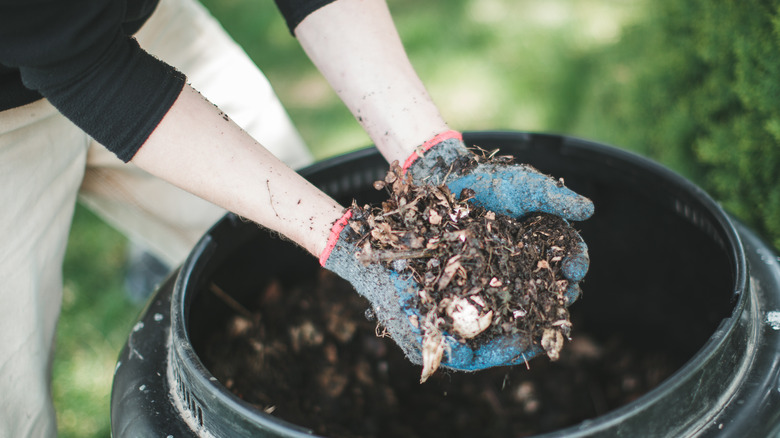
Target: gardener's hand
393, 296
511, 189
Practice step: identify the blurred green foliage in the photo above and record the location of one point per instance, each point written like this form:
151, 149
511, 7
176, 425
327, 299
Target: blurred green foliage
96, 318
488, 64
696, 85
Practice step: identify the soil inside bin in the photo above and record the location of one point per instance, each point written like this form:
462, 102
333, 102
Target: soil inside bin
309, 353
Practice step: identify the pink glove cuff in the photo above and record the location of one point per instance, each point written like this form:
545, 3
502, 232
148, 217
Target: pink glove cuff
335, 232
447, 135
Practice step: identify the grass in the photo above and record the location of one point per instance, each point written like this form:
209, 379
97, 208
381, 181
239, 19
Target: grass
489, 64
96, 319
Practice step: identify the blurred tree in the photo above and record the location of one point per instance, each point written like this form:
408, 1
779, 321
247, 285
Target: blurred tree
696, 85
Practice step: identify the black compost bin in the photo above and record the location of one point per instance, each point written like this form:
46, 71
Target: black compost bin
671, 273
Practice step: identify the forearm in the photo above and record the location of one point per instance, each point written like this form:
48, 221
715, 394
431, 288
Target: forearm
355, 45
196, 147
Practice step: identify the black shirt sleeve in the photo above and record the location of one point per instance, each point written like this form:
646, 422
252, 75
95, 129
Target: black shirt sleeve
77, 54
294, 11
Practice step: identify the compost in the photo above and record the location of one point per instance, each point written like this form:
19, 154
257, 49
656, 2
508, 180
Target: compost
307, 352
481, 275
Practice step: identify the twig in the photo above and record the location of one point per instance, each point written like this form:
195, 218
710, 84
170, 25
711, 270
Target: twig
230, 301
377, 256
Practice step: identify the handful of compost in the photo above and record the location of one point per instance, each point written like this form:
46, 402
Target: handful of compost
457, 284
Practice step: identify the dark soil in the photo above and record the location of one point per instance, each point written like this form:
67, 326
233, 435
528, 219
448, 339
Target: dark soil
309, 355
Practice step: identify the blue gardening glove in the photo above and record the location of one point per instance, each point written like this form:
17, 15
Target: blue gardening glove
511, 189
393, 295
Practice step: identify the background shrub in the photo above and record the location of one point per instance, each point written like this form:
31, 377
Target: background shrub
695, 85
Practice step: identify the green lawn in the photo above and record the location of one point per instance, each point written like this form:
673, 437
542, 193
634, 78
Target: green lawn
489, 64
96, 318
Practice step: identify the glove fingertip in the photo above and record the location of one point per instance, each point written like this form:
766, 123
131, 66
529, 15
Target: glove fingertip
573, 292
576, 265
586, 209
579, 208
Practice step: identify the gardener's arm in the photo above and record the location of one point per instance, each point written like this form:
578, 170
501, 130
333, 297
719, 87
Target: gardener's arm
79, 55
355, 45
197, 148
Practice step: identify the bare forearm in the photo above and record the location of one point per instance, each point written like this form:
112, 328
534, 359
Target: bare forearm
199, 149
355, 45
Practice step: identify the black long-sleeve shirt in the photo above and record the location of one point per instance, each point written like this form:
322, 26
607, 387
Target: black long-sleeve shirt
80, 55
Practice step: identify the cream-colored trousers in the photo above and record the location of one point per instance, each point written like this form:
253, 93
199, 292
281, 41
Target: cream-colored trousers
46, 163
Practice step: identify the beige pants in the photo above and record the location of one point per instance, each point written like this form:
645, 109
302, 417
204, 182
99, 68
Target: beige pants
46, 163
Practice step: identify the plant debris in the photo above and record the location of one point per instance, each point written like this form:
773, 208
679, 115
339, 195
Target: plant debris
482, 274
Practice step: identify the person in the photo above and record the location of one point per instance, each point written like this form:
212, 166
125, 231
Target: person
95, 104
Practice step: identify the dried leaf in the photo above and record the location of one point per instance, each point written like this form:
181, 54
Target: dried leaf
434, 218
552, 342
449, 271
356, 227
432, 352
